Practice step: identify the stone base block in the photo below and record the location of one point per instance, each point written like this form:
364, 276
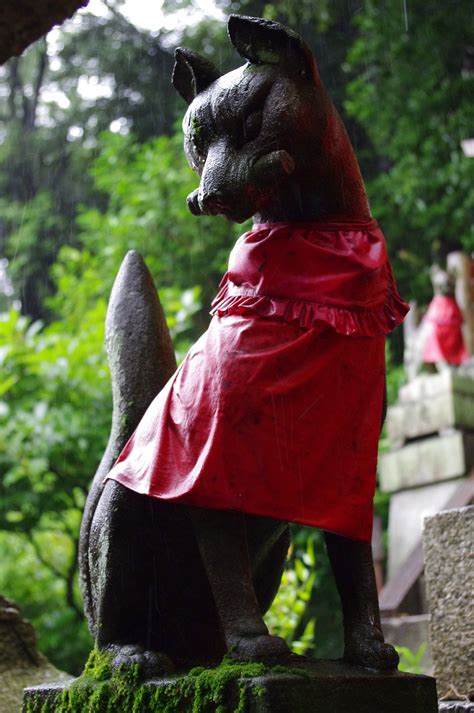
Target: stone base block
449, 572
430, 460
319, 687
456, 707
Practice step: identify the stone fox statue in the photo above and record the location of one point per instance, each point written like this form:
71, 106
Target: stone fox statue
275, 413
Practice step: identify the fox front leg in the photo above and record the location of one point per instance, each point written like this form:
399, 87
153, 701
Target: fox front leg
222, 541
353, 569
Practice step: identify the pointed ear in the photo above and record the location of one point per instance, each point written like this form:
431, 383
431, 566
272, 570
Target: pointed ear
192, 73
266, 42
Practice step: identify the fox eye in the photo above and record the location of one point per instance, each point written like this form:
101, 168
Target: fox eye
252, 125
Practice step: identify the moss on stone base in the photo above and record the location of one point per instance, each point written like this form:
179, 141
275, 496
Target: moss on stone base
202, 690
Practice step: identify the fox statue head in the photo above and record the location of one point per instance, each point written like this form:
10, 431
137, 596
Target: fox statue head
266, 139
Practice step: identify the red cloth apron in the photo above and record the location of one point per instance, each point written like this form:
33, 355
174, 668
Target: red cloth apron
444, 340
276, 410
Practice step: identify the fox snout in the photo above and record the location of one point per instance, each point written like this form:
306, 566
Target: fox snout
240, 189
207, 203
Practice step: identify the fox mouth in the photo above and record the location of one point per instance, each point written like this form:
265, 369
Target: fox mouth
267, 173
237, 211
238, 215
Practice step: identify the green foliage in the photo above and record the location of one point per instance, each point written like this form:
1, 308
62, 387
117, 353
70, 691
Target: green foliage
323, 610
130, 64
40, 585
289, 607
422, 190
146, 188
52, 381
411, 661
54, 101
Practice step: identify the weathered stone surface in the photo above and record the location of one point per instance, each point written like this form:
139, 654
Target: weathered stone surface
407, 512
20, 663
430, 460
430, 404
429, 386
24, 21
327, 687
449, 570
411, 631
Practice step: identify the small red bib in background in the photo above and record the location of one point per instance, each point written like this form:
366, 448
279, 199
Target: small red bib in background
444, 340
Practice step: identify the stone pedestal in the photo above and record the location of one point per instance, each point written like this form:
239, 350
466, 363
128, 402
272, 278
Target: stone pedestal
449, 572
317, 687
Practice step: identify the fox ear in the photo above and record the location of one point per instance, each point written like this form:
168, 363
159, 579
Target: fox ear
192, 73
265, 42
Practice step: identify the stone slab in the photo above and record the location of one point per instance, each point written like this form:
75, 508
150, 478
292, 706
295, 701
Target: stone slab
428, 386
450, 409
327, 687
407, 512
449, 571
430, 460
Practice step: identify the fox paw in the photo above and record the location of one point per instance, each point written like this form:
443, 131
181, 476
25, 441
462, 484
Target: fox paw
368, 649
150, 663
263, 648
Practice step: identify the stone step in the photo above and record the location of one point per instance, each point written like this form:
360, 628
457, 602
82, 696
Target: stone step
429, 460
430, 404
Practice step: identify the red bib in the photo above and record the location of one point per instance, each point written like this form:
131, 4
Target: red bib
276, 410
442, 325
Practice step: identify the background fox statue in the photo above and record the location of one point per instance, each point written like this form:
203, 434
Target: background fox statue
174, 572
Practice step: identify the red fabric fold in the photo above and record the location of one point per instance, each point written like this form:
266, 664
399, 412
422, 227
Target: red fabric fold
336, 273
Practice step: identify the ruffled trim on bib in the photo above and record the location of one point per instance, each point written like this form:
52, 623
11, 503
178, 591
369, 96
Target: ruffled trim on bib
358, 322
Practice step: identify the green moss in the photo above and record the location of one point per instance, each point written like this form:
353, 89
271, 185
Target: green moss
291, 671
196, 127
202, 690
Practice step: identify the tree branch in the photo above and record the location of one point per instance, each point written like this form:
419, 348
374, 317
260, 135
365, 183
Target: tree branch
70, 580
68, 576
38, 83
15, 86
43, 560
